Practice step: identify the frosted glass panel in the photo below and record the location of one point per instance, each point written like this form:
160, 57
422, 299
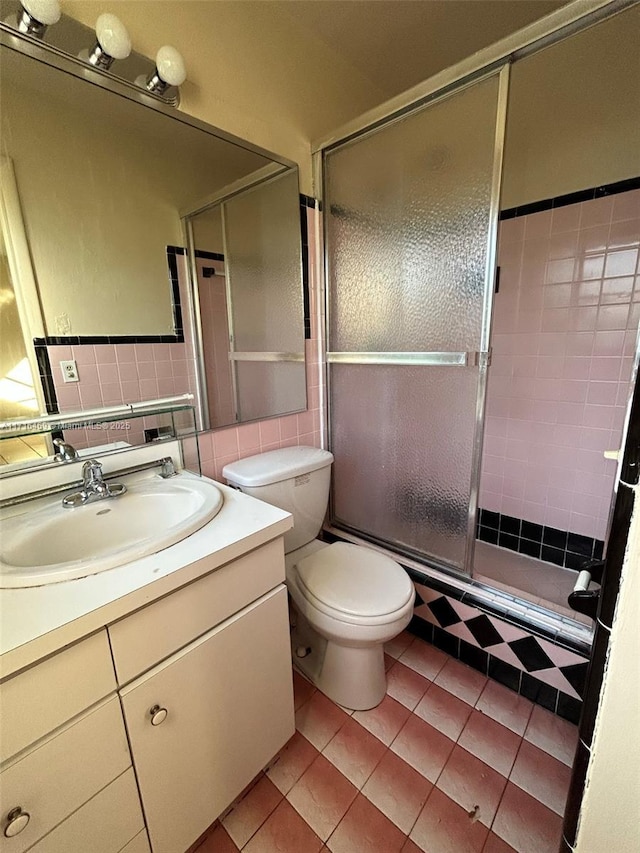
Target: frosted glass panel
403, 465
407, 227
267, 387
263, 254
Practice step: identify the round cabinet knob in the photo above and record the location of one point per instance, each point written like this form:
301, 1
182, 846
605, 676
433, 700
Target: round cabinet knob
158, 715
17, 820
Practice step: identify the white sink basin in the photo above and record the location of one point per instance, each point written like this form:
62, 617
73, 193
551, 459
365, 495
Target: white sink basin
54, 543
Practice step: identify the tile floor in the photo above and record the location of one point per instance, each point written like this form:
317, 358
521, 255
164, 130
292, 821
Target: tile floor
449, 762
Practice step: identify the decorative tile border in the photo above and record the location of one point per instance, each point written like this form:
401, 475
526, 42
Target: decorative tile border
545, 672
560, 547
571, 198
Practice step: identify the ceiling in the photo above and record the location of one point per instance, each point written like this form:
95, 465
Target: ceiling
396, 44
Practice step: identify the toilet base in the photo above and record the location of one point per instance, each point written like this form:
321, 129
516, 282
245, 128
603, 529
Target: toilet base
353, 677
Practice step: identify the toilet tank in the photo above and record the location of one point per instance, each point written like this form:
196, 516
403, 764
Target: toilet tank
295, 479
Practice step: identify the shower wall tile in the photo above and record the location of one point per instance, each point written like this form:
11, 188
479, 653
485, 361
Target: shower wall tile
564, 336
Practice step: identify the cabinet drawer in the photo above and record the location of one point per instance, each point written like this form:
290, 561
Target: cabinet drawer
229, 703
63, 773
152, 634
106, 824
139, 844
38, 700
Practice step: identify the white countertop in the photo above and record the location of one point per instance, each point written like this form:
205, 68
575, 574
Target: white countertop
36, 621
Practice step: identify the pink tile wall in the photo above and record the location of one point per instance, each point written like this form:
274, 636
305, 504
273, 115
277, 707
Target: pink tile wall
564, 336
122, 373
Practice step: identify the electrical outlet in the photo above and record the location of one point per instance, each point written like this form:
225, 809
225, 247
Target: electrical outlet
69, 371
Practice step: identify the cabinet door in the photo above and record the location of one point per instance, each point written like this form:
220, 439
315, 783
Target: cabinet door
229, 703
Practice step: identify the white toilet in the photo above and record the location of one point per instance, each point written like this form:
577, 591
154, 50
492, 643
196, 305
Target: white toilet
346, 600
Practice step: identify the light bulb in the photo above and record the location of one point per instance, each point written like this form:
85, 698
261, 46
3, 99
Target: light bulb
170, 71
113, 37
112, 43
170, 66
37, 15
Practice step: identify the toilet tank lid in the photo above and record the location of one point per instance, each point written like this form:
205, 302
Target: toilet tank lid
264, 469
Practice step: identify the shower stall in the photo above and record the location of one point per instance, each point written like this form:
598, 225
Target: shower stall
412, 215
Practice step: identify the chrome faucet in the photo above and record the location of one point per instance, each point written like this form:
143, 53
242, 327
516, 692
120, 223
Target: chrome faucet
94, 487
66, 452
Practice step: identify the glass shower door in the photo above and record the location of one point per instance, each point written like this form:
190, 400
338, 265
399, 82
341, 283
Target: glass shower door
410, 218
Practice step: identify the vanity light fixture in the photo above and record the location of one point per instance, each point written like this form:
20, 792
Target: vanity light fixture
113, 42
36, 15
170, 71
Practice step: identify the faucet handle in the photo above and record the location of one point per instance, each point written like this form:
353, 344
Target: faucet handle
66, 452
92, 472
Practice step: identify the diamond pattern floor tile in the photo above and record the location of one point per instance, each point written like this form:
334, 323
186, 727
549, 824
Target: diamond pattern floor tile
425, 772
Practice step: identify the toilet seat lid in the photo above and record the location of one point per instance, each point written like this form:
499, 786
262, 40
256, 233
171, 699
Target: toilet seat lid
355, 580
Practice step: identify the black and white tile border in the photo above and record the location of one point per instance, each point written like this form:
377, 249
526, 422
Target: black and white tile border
549, 674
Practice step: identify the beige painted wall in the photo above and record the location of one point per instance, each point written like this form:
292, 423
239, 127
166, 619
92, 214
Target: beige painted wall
610, 818
101, 198
250, 71
574, 114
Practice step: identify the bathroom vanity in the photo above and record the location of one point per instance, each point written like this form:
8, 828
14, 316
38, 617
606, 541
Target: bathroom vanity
139, 702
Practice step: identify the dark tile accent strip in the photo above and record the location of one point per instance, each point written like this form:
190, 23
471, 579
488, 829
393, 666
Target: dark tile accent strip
46, 378
572, 198
175, 292
304, 234
308, 201
576, 790
561, 547
84, 340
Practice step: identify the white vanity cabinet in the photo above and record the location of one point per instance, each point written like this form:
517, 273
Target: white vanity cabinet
204, 722
66, 767
170, 710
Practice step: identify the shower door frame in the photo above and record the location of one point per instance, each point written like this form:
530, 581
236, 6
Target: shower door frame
496, 59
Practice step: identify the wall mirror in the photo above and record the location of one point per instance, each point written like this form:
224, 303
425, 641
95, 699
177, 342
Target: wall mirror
97, 185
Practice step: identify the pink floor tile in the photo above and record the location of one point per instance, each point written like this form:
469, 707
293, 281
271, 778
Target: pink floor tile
445, 827
490, 742
355, 752
554, 735
444, 711
406, 686
384, 721
303, 690
423, 747
505, 706
319, 719
399, 644
542, 776
465, 683
284, 832
252, 811
364, 829
397, 790
472, 784
292, 762
218, 842
424, 658
525, 824
494, 844
410, 847
322, 796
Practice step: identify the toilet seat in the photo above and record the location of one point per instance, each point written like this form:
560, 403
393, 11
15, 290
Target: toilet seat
354, 584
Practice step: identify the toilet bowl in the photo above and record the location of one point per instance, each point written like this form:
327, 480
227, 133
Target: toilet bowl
346, 600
